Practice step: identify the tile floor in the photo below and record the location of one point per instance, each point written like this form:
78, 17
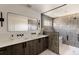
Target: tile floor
64, 50
48, 52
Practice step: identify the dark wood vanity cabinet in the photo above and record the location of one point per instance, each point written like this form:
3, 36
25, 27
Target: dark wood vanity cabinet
18, 49
6, 50
45, 43
42, 44
30, 47
33, 47
2, 51
39, 45
36, 46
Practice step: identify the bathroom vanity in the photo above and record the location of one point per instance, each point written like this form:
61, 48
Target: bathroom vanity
30, 46
19, 42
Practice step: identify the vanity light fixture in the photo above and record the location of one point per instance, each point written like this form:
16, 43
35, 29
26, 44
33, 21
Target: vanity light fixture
1, 19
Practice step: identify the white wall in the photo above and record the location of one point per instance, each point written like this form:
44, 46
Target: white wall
19, 9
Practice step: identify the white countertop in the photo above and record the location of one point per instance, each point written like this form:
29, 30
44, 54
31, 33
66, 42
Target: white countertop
16, 41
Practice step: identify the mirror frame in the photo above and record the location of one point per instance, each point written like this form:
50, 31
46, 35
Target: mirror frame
21, 15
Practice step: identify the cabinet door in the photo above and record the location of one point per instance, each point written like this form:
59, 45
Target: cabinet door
6, 50
2, 51
17, 49
27, 47
34, 47
39, 45
30, 48
9, 50
45, 43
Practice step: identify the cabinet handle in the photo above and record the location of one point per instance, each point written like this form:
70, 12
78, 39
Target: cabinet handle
23, 45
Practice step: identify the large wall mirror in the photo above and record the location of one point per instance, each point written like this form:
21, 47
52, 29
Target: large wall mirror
17, 22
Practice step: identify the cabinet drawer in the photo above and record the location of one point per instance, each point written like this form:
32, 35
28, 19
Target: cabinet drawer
3, 51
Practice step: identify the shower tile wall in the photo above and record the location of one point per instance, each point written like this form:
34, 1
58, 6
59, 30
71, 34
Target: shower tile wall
68, 26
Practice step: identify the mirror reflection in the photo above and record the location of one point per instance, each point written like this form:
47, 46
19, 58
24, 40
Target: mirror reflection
18, 22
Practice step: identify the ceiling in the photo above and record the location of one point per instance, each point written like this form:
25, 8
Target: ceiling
43, 7
62, 11
65, 10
